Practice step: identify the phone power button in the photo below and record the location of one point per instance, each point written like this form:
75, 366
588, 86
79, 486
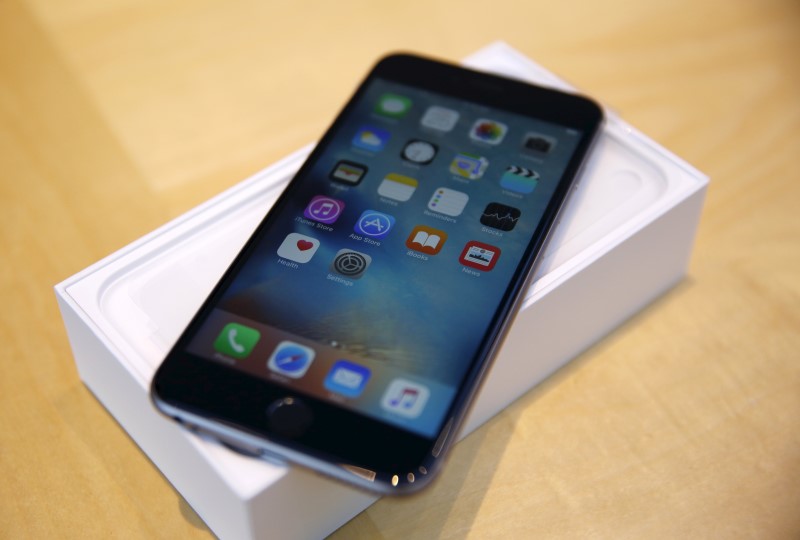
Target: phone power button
289, 417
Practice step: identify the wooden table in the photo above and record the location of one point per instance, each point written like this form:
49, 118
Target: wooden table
117, 115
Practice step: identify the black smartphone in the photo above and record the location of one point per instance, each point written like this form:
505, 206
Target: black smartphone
353, 330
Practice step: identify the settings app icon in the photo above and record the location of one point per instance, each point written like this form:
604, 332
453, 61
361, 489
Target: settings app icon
350, 264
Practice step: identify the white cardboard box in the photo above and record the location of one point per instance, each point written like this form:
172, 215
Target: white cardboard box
625, 239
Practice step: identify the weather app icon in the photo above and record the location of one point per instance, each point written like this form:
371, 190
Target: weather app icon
371, 138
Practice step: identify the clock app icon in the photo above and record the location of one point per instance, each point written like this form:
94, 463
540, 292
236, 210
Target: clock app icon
420, 152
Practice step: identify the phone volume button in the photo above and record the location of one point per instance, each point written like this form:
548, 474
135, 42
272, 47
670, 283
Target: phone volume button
440, 442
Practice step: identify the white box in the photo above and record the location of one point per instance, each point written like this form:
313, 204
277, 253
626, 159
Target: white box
625, 239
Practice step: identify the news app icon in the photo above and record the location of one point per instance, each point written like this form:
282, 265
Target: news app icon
479, 256
405, 398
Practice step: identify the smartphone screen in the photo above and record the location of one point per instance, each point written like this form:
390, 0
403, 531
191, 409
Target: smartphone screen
380, 283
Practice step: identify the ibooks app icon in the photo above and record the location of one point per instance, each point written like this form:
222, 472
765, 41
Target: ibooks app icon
426, 240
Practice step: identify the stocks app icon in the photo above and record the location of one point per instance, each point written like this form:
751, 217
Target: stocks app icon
499, 216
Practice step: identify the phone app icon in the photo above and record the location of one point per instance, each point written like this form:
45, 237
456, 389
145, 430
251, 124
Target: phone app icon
291, 359
469, 166
371, 138
236, 340
350, 263
348, 172
439, 119
374, 224
419, 152
405, 398
393, 105
488, 131
397, 187
347, 378
538, 143
448, 201
479, 255
500, 216
324, 209
298, 247
519, 179
426, 240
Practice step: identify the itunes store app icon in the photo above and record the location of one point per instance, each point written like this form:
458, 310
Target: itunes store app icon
298, 247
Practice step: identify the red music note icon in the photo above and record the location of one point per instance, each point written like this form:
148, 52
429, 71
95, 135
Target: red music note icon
405, 398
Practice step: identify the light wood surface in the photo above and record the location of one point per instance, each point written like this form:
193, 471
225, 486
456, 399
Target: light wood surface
117, 115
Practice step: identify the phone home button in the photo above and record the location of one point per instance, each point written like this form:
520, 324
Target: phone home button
289, 417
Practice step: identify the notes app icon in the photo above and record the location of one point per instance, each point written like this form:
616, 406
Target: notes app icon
405, 398
397, 187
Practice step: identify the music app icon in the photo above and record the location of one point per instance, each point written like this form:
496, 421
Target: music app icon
405, 398
324, 209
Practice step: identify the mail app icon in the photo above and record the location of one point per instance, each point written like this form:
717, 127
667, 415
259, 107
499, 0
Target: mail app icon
347, 379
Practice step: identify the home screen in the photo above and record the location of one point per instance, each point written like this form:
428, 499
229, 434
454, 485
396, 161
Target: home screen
376, 283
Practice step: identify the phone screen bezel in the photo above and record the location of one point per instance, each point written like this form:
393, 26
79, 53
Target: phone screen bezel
234, 399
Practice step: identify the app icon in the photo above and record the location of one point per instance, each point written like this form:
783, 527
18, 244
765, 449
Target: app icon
519, 179
479, 255
350, 264
488, 131
371, 138
397, 187
426, 240
347, 378
298, 247
500, 216
448, 201
324, 209
420, 152
439, 118
537, 143
469, 166
374, 224
393, 106
405, 398
236, 340
348, 172
291, 359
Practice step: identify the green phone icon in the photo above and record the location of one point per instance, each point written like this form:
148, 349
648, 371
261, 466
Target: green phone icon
236, 340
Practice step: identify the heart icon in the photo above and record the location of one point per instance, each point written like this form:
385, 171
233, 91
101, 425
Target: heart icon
304, 245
